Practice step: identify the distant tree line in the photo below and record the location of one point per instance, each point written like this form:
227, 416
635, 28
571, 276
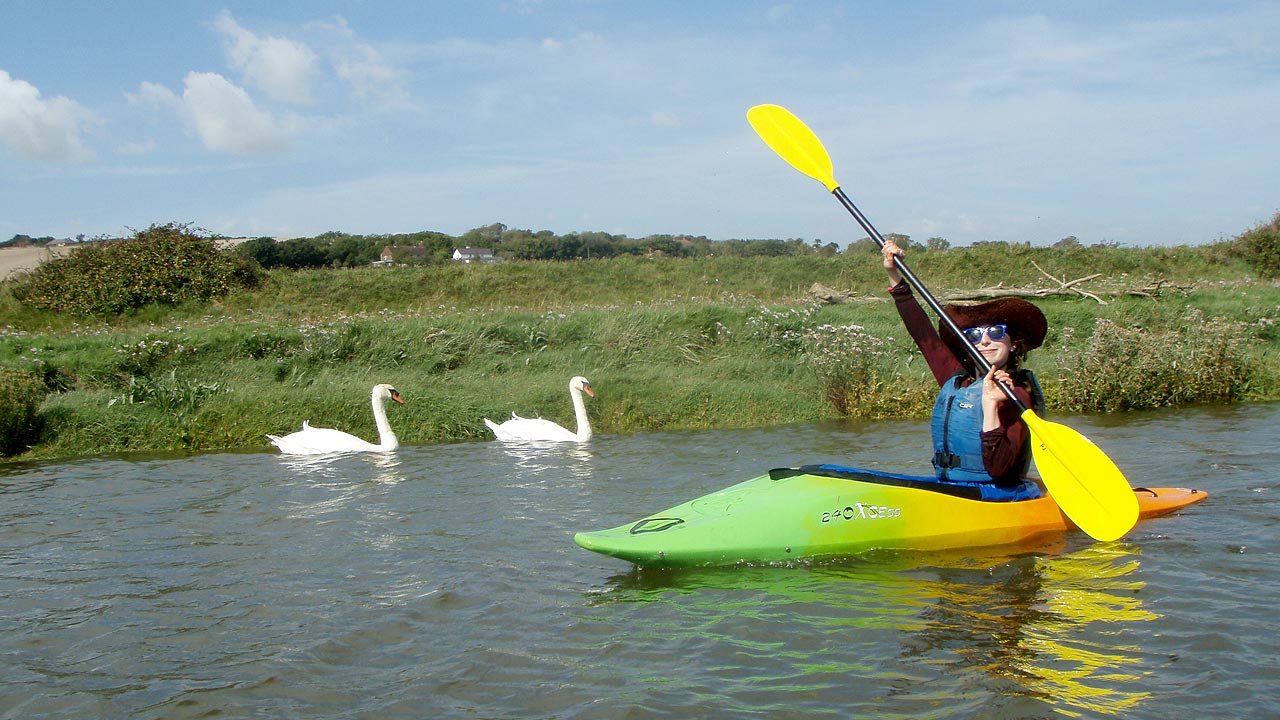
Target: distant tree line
1259, 245
337, 249
26, 241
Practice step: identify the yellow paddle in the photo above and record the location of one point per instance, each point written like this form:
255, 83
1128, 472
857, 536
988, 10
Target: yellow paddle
1084, 482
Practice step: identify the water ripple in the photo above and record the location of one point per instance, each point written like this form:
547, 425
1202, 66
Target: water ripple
443, 582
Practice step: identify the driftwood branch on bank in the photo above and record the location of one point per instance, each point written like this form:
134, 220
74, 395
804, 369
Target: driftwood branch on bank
1156, 288
828, 294
1070, 288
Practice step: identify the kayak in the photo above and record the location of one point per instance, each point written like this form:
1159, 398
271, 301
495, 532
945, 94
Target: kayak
830, 511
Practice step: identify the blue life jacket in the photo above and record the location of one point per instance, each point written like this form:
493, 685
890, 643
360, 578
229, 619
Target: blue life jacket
957, 428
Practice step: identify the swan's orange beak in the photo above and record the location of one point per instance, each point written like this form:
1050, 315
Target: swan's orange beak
396, 396
587, 389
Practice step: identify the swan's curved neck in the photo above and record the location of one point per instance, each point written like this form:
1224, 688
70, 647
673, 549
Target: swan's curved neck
580, 413
387, 440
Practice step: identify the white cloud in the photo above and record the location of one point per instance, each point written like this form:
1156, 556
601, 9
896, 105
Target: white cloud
221, 113
362, 66
39, 129
279, 67
368, 75
225, 117
154, 96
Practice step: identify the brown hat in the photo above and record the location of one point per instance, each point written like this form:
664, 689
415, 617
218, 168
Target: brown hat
1026, 323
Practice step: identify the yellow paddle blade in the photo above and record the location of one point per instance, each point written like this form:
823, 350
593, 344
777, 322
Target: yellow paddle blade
793, 141
1088, 487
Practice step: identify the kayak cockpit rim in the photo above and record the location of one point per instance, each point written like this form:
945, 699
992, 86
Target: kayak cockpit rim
917, 482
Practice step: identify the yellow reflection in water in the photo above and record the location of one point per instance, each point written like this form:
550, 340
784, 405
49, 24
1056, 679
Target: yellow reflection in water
1055, 624
1089, 589
1044, 626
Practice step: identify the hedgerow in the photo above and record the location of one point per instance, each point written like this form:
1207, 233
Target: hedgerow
164, 264
1261, 248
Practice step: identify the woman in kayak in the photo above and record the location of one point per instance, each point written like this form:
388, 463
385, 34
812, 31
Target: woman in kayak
978, 435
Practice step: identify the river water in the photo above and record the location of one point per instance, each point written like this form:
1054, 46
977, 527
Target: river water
443, 582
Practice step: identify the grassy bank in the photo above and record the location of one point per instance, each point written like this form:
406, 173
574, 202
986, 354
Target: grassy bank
674, 344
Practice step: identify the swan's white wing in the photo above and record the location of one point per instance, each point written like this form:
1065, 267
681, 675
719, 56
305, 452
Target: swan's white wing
498, 432
530, 430
315, 441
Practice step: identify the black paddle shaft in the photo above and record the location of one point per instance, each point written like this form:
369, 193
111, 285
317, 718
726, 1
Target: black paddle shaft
929, 299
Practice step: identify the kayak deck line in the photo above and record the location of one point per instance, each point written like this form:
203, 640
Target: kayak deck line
921, 482
826, 511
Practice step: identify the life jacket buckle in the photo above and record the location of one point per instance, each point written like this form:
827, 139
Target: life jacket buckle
946, 460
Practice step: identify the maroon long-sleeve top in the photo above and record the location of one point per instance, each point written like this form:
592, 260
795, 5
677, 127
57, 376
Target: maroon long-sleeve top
1002, 447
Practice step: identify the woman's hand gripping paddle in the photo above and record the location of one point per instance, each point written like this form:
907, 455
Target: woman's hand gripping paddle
1084, 482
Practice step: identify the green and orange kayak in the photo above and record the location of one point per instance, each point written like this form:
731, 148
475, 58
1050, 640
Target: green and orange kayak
828, 511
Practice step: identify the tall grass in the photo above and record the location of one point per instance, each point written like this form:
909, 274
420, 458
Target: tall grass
20, 396
698, 343
1124, 367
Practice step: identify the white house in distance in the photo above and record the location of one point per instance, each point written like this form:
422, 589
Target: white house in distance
469, 255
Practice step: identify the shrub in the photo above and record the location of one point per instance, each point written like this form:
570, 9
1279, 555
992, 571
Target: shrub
1126, 368
165, 264
848, 362
145, 356
781, 330
20, 396
1260, 247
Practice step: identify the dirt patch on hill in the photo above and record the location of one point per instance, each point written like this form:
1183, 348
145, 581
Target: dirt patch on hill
17, 259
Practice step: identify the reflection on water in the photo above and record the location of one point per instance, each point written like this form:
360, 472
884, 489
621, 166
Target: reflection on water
1045, 626
26, 477
389, 468
339, 466
1092, 589
331, 483
535, 458
443, 582
1049, 622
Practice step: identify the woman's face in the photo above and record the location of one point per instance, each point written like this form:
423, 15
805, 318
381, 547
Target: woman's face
997, 352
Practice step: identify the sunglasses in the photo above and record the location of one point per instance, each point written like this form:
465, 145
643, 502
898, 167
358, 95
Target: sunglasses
974, 334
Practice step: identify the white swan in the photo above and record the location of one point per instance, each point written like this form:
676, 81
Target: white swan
315, 441
519, 429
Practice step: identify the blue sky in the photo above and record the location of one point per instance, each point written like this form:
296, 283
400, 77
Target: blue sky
1139, 123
